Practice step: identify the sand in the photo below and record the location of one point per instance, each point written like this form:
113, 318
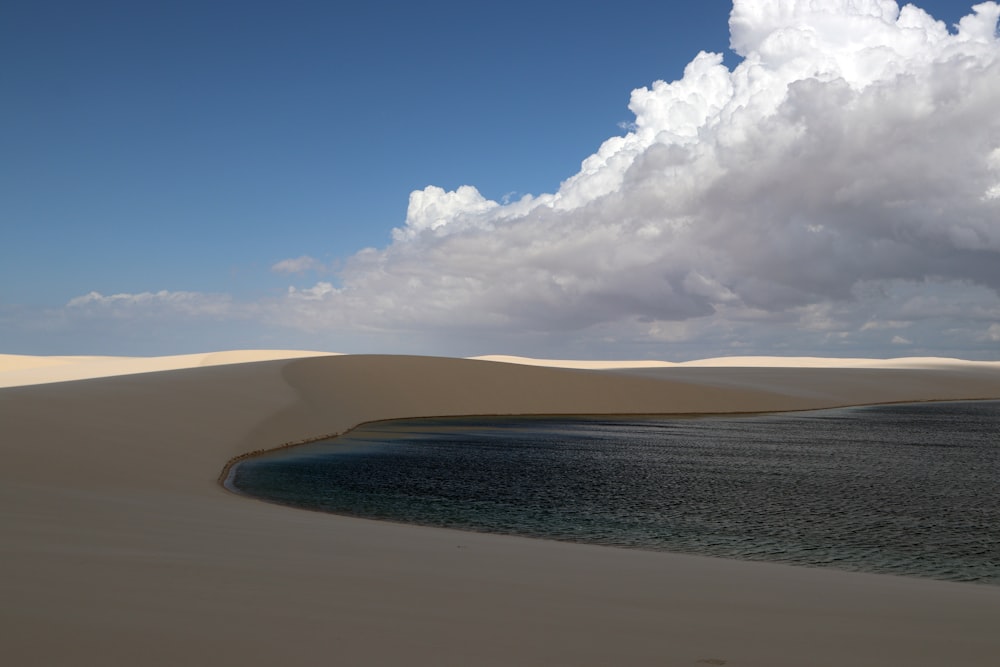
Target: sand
119, 547
18, 370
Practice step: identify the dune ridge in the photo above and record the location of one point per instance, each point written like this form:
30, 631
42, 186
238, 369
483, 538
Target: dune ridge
120, 546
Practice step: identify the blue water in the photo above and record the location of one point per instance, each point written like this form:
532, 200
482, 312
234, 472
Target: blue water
904, 489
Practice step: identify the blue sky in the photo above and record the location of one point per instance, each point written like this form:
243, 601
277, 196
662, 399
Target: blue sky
190, 145
188, 148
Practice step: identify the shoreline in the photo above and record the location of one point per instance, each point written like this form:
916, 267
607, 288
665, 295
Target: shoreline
229, 471
122, 545
225, 473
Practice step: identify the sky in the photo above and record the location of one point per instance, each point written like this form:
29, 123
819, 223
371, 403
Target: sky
668, 180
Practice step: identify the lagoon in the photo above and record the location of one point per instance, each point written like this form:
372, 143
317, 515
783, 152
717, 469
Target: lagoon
908, 489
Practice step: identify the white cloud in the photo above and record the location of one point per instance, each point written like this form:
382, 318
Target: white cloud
298, 265
315, 293
854, 144
433, 209
878, 325
162, 303
839, 181
899, 340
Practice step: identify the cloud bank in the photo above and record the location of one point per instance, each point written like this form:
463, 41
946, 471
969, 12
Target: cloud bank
840, 186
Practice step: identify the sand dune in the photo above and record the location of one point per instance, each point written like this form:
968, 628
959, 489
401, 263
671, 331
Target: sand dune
581, 364
17, 370
120, 548
747, 362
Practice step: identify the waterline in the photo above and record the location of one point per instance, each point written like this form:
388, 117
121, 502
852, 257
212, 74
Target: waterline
907, 489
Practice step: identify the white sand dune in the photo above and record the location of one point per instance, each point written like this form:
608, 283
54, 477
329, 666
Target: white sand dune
16, 370
119, 547
746, 362
580, 364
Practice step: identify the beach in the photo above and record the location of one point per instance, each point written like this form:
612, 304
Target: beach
121, 547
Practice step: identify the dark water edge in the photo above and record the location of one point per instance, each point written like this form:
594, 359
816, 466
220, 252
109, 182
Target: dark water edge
900, 489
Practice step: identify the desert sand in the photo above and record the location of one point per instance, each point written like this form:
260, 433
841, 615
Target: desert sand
118, 545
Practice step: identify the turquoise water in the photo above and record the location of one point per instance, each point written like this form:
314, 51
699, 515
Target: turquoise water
904, 489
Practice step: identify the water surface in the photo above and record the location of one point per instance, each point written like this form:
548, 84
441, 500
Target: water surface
904, 489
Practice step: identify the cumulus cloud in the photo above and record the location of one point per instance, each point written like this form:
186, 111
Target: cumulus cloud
841, 181
854, 147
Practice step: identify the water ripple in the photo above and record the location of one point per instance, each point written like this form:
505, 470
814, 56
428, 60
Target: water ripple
910, 489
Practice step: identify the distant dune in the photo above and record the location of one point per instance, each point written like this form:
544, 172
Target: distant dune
747, 362
16, 369
121, 548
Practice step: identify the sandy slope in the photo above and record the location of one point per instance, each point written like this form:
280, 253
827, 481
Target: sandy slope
118, 547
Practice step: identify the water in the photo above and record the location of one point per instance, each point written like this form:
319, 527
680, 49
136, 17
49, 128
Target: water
905, 489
